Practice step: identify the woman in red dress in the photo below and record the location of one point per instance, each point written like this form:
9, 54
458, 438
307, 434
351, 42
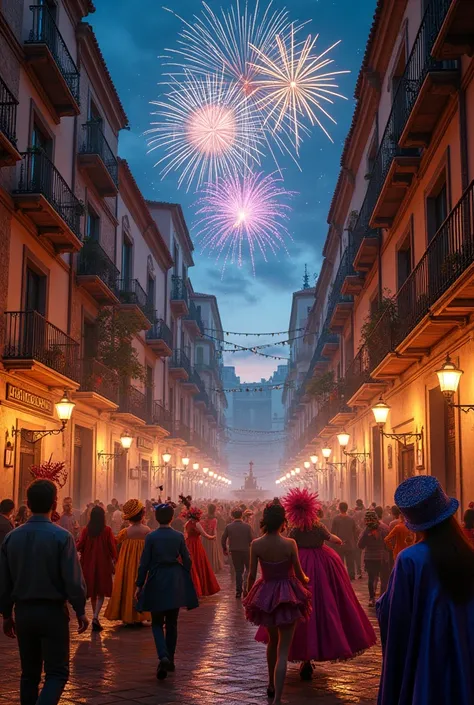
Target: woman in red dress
98, 550
203, 577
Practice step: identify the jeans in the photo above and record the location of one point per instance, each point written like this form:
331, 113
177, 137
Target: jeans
43, 638
241, 562
347, 556
373, 569
164, 626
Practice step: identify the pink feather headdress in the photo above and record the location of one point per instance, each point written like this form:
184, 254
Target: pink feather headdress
301, 508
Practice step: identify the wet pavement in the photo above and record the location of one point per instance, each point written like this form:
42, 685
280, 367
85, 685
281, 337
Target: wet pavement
218, 663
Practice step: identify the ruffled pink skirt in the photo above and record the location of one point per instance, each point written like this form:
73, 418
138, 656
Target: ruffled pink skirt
277, 603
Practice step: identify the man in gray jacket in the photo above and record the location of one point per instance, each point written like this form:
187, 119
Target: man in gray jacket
237, 538
39, 574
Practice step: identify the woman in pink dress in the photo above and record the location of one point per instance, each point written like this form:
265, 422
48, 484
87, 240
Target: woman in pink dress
279, 600
338, 628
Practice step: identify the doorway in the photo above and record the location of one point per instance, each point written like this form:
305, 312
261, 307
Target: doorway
30, 454
82, 478
406, 462
145, 479
376, 466
120, 473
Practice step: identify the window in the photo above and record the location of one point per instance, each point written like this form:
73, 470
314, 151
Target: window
404, 260
92, 225
35, 294
199, 356
176, 259
127, 264
437, 206
150, 292
89, 337
94, 114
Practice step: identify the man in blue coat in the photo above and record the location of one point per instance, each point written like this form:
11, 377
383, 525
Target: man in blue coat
164, 585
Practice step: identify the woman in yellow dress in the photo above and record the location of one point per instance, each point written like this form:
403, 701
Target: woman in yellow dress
130, 542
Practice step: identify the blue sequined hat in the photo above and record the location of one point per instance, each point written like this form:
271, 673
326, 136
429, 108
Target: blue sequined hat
424, 503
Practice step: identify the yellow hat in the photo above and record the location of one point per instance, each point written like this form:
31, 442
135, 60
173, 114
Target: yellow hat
132, 508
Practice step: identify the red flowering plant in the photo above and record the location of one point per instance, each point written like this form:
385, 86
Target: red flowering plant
192, 513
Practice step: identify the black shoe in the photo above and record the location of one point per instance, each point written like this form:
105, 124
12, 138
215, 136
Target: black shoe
171, 667
163, 668
270, 692
306, 671
96, 626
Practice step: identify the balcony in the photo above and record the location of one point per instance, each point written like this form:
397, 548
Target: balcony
366, 254
133, 298
97, 159
97, 274
456, 33
201, 400
179, 366
49, 58
340, 305
193, 384
9, 154
359, 386
181, 433
193, 321
437, 296
160, 338
99, 386
46, 200
179, 296
330, 346
160, 418
133, 406
39, 350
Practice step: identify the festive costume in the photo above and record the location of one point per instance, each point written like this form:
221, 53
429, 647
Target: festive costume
277, 599
427, 637
338, 627
98, 554
212, 547
201, 572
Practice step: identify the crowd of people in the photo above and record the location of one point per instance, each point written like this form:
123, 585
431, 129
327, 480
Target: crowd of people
293, 561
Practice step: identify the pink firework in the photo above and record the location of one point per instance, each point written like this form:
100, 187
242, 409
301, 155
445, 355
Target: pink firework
242, 212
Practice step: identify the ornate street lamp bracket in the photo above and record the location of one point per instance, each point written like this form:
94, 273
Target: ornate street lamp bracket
34, 436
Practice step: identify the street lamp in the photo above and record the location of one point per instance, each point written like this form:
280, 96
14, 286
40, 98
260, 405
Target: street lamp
64, 409
205, 470
380, 412
185, 462
166, 457
195, 466
326, 453
314, 459
307, 465
343, 439
449, 377
297, 471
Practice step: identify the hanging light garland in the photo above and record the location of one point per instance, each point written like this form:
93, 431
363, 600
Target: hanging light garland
255, 335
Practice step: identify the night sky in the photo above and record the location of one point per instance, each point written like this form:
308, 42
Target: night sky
132, 35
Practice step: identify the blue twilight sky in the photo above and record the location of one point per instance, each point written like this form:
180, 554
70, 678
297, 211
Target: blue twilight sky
132, 35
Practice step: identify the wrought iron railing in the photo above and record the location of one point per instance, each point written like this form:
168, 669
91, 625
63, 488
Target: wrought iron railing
45, 31
160, 331
133, 401
29, 336
94, 142
449, 254
179, 290
97, 377
419, 64
194, 315
202, 397
93, 260
39, 175
181, 360
358, 372
180, 430
8, 106
160, 416
130, 291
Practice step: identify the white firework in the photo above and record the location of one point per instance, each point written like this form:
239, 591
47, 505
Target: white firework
205, 128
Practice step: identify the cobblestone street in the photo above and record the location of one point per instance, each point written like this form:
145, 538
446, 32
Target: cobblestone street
218, 663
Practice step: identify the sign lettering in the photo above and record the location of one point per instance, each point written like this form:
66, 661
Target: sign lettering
33, 401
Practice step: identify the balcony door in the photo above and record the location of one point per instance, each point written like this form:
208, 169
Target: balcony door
120, 473
145, 480
127, 260
40, 169
83, 465
150, 293
35, 291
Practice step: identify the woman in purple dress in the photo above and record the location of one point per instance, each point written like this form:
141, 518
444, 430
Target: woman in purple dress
279, 600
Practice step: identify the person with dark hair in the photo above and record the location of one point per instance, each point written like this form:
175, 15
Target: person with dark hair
22, 515
202, 574
164, 585
212, 547
358, 516
39, 574
399, 537
372, 540
98, 550
468, 525
427, 614
345, 528
236, 539
130, 542
396, 515
279, 600
7, 507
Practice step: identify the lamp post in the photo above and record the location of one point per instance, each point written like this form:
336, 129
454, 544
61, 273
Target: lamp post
343, 439
380, 412
449, 377
126, 440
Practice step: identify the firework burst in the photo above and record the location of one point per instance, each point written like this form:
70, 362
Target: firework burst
296, 84
243, 212
205, 128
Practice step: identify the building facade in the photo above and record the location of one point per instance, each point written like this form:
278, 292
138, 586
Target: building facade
394, 295
95, 296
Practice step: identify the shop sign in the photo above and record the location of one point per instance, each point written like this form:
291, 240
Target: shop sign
144, 443
32, 401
